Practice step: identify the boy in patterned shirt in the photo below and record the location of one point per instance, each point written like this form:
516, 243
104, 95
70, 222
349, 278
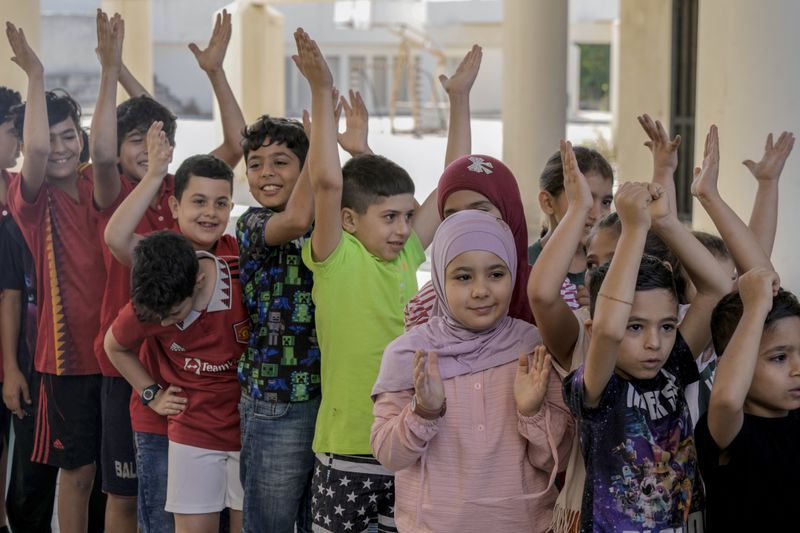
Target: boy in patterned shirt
279, 371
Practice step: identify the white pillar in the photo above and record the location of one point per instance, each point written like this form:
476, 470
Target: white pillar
137, 51
255, 61
645, 55
748, 82
534, 93
25, 15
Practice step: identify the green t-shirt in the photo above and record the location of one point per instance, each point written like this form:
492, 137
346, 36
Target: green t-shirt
359, 302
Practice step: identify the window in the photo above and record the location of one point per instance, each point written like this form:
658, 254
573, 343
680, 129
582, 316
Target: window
595, 67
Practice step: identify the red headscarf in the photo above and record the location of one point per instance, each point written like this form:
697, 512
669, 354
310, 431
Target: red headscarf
491, 178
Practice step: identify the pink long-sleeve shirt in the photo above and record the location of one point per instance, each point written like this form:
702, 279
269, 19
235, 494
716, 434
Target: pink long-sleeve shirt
450, 472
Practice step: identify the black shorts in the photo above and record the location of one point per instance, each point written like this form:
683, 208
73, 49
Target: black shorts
67, 421
117, 454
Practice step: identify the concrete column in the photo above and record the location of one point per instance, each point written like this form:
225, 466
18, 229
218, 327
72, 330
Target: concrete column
137, 52
748, 82
255, 60
534, 93
24, 15
645, 55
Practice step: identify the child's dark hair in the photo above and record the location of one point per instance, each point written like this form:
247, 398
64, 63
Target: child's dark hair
60, 107
610, 221
280, 131
552, 178
204, 166
728, 312
368, 178
9, 99
653, 245
653, 274
713, 244
163, 274
138, 113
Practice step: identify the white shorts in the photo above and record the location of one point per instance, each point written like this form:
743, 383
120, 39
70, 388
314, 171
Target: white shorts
202, 481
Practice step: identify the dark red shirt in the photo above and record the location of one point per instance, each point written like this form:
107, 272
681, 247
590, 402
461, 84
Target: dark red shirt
118, 276
61, 233
200, 355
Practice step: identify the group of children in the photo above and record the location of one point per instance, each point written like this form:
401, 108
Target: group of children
293, 376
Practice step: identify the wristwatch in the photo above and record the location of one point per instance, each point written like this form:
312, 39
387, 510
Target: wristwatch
428, 414
149, 393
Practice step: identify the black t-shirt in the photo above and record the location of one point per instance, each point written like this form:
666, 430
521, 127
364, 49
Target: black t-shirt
17, 273
758, 487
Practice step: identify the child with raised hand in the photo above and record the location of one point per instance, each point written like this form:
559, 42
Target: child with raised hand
369, 238
553, 203
119, 154
474, 182
636, 430
52, 203
186, 307
458, 410
748, 439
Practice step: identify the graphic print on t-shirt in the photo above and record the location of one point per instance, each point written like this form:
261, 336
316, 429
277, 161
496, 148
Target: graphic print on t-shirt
641, 461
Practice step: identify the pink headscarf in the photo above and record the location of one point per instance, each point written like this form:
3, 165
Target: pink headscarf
490, 177
460, 350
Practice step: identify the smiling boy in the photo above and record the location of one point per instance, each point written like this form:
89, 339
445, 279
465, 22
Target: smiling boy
368, 241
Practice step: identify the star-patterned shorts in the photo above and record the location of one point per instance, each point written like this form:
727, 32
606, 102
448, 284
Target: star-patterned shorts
350, 492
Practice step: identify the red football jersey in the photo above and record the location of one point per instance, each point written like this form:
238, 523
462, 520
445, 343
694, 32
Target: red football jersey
118, 276
200, 355
144, 419
62, 236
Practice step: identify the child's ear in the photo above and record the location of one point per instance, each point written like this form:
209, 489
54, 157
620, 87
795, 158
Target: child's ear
587, 324
201, 279
173, 206
546, 203
349, 220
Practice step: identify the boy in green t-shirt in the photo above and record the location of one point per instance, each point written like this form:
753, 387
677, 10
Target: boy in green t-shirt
363, 277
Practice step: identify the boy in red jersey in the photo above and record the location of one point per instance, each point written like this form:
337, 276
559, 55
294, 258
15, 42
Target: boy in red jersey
119, 155
189, 302
52, 202
201, 204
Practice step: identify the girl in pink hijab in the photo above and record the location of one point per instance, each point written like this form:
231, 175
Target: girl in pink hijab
482, 183
471, 424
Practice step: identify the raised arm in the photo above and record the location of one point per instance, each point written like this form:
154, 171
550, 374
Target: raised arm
744, 247
210, 60
325, 170
131, 85
103, 141
705, 272
298, 215
615, 299
120, 234
36, 131
458, 87
764, 216
554, 318
736, 366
